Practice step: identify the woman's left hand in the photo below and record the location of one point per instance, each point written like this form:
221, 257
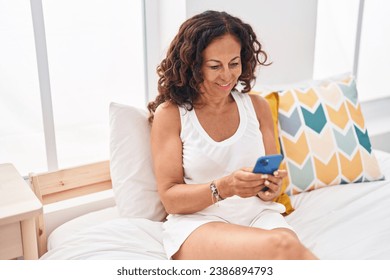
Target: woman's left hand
273, 183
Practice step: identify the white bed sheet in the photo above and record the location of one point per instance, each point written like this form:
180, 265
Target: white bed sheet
115, 239
342, 222
348, 221
72, 227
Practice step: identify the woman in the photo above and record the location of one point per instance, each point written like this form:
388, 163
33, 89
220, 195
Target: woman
206, 137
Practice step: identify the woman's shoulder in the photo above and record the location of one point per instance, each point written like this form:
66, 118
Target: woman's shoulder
262, 108
166, 107
258, 101
167, 113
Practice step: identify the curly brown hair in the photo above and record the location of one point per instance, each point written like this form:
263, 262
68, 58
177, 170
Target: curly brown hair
180, 72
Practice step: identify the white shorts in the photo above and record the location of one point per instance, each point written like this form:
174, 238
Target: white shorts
252, 212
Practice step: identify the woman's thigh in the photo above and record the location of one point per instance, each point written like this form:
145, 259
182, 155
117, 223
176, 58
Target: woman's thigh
216, 240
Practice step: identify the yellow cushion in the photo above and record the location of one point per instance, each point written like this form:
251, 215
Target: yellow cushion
273, 100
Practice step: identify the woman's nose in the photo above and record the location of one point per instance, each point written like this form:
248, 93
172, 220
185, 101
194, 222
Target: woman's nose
226, 74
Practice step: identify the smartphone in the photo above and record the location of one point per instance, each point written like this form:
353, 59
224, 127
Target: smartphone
268, 164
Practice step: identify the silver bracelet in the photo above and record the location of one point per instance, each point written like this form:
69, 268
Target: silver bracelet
215, 197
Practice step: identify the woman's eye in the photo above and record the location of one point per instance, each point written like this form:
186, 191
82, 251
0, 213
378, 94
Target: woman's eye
235, 64
214, 67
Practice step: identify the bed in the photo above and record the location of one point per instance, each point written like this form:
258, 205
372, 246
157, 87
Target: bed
346, 220
351, 221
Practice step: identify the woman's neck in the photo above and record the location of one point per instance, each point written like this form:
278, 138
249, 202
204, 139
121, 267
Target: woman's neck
213, 102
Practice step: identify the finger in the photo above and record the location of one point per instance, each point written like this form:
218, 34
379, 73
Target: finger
272, 187
252, 179
271, 180
248, 189
275, 179
266, 196
246, 174
281, 173
247, 169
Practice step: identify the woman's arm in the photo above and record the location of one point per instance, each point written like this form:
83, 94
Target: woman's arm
264, 116
176, 196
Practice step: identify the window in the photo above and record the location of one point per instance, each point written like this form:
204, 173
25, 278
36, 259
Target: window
374, 63
336, 39
22, 139
95, 52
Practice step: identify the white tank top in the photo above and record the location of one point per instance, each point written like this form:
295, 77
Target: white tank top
205, 159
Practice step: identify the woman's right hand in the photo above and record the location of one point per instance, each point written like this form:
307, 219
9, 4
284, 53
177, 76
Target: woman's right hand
243, 183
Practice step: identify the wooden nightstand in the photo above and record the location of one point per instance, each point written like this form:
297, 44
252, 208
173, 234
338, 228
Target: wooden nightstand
18, 209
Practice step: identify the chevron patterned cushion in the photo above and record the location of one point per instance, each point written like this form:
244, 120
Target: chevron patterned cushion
323, 136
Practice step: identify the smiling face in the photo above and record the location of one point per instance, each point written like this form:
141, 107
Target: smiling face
221, 66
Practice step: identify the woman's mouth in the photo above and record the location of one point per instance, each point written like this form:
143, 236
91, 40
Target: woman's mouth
224, 86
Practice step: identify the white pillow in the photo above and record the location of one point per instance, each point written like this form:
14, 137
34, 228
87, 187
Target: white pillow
131, 167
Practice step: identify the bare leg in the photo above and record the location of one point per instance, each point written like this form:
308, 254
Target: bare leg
217, 240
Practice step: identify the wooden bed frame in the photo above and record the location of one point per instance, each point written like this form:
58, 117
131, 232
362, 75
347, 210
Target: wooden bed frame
51, 187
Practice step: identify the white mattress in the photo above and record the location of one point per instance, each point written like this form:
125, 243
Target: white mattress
341, 222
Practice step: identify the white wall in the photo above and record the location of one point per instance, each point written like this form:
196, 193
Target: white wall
377, 117
163, 19
285, 28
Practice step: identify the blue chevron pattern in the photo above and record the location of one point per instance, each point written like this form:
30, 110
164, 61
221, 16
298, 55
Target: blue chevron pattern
363, 138
346, 142
291, 124
316, 120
